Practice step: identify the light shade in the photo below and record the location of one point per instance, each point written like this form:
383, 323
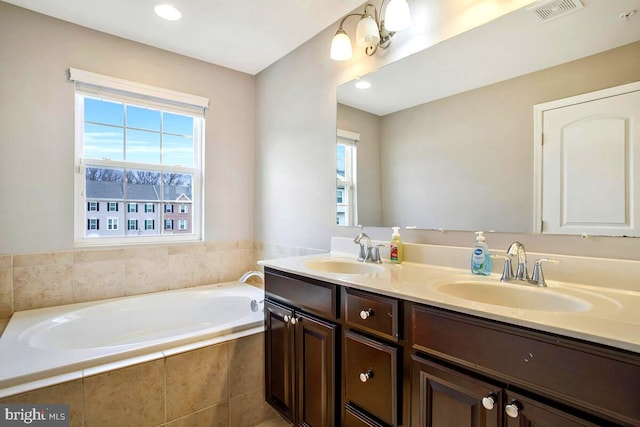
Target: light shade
397, 16
367, 31
341, 46
168, 12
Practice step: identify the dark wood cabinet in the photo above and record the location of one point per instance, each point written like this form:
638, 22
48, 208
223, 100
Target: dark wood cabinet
300, 355
337, 356
442, 397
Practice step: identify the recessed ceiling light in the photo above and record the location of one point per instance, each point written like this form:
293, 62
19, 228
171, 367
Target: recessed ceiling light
168, 12
363, 84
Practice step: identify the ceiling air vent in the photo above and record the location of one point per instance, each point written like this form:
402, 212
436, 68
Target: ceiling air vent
553, 9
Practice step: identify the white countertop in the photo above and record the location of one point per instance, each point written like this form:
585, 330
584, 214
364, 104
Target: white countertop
613, 318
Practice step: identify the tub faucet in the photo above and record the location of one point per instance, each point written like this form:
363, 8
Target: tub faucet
246, 276
517, 249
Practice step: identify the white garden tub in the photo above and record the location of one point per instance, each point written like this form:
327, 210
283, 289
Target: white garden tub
51, 345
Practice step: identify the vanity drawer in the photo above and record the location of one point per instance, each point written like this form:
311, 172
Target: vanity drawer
375, 314
594, 378
371, 380
355, 418
310, 295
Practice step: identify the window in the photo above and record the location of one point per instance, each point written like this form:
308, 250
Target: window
136, 144
183, 208
93, 224
182, 224
346, 188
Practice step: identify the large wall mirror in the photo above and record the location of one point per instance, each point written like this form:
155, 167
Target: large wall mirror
446, 136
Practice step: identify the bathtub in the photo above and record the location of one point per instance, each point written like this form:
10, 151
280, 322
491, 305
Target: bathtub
52, 345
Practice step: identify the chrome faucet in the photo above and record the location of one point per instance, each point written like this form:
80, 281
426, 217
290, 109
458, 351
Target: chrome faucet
368, 253
517, 249
522, 274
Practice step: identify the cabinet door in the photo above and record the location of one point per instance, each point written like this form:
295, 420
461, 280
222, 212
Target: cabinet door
531, 413
316, 371
442, 397
279, 358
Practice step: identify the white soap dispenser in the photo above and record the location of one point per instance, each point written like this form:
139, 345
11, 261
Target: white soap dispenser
480, 257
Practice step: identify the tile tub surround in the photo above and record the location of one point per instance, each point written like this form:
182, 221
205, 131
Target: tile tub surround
29, 281
219, 385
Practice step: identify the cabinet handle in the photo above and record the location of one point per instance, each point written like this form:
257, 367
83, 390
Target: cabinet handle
489, 401
286, 319
513, 409
366, 376
294, 320
365, 314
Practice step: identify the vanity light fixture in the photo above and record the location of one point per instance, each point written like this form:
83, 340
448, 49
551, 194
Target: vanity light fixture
373, 31
168, 12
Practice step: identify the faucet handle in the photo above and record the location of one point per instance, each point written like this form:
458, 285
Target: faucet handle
537, 277
507, 270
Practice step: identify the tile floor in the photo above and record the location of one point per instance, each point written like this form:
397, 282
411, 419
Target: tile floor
276, 422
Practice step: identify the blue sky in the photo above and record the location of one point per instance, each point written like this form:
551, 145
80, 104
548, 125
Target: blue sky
151, 136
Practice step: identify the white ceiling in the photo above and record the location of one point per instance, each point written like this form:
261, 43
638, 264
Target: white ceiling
512, 45
244, 35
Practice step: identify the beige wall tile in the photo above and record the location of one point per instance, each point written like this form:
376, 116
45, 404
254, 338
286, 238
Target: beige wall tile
132, 396
187, 248
30, 260
180, 269
6, 292
6, 261
250, 409
207, 269
69, 393
246, 364
213, 416
95, 280
144, 275
3, 325
40, 286
197, 379
98, 255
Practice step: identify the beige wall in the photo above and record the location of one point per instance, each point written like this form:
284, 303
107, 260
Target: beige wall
368, 161
37, 126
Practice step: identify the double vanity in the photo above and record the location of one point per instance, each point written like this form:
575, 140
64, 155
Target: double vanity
352, 343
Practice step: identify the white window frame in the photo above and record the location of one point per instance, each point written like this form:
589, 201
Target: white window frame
132, 207
132, 222
115, 206
92, 224
182, 224
119, 90
151, 205
91, 204
168, 221
350, 195
149, 221
112, 224
183, 208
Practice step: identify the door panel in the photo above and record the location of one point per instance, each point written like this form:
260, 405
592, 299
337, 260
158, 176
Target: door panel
279, 359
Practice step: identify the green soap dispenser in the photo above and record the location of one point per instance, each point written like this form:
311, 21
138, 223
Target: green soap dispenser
396, 251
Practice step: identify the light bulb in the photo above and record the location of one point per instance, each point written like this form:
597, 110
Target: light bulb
397, 15
168, 12
367, 34
341, 46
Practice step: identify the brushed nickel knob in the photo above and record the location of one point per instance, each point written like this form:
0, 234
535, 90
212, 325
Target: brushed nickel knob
365, 314
294, 320
286, 319
366, 376
489, 401
513, 409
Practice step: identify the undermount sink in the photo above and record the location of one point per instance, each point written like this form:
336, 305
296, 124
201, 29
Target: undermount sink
343, 266
514, 296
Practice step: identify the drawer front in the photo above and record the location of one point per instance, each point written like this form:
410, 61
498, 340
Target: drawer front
371, 313
596, 379
355, 418
371, 381
310, 295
